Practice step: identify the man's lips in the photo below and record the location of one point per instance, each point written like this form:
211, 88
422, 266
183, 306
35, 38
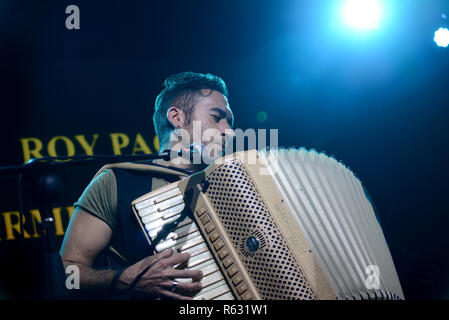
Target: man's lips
223, 144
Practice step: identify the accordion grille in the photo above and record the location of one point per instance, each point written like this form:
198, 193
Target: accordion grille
244, 215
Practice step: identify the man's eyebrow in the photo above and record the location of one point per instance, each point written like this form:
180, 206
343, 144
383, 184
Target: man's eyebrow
224, 114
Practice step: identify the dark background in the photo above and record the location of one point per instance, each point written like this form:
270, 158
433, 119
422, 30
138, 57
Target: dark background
375, 100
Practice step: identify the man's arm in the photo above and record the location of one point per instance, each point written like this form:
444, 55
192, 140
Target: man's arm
88, 235
85, 238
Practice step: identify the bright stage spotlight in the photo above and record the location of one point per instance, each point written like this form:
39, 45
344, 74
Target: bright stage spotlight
362, 14
441, 37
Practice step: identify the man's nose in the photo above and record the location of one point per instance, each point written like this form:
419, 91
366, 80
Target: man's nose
228, 133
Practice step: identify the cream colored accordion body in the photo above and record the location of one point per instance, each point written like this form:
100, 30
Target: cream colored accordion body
278, 224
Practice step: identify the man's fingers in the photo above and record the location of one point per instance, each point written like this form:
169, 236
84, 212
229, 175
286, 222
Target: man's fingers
195, 275
150, 260
177, 259
189, 286
181, 286
165, 254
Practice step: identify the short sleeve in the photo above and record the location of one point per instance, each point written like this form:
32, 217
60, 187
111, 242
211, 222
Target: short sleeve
100, 198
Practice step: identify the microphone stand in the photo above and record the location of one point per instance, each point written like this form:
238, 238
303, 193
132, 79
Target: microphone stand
45, 188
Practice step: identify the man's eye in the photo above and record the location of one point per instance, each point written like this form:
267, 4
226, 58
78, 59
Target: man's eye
217, 118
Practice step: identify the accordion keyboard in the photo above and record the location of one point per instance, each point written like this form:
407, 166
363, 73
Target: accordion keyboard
167, 207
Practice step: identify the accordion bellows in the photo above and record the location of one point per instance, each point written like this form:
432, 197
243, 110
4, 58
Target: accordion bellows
338, 220
275, 224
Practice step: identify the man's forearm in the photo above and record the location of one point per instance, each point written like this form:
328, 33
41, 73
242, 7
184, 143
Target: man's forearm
93, 280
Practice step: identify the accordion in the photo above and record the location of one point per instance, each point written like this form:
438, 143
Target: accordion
273, 224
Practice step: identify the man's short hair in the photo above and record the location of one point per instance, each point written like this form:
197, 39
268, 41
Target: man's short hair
182, 91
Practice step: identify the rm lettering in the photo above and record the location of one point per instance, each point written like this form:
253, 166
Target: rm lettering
11, 222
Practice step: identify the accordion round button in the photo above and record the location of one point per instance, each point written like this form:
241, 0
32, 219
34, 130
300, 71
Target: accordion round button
252, 243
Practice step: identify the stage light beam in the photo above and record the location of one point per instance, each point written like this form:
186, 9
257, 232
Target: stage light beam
362, 14
441, 37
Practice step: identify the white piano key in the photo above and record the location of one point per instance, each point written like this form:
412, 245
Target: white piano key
210, 288
152, 232
167, 195
193, 249
207, 267
159, 207
196, 250
185, 229
157, 199
219, 289
188, 241
226, 296
160, 222
182, 231
148, 211
198, 259
166, 214
167, 244
143, 204
163, 214
212, 278
170, 203
180, 244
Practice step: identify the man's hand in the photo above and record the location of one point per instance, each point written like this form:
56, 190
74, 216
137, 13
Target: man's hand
159, 278
87, 236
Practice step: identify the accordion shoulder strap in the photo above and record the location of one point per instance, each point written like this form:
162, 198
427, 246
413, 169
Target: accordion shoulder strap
142, 167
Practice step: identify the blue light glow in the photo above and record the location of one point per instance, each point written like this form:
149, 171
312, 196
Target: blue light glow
362, 14
442, 37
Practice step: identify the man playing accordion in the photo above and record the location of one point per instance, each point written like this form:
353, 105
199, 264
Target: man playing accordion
103, 240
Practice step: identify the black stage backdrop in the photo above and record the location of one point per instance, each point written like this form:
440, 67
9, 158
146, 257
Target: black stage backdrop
378, 102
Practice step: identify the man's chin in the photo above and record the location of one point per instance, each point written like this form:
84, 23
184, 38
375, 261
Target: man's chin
212, 152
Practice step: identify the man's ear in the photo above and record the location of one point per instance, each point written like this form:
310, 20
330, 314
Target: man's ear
176, 117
